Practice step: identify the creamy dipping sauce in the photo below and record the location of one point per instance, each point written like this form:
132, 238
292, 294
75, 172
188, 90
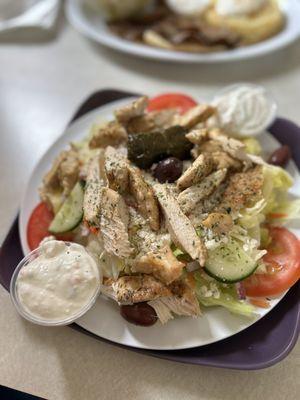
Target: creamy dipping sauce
59, 283
245, 110
229, 8
188, 7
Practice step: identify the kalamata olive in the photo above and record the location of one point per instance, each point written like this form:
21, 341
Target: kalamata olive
281, 156
139, 314
168, 170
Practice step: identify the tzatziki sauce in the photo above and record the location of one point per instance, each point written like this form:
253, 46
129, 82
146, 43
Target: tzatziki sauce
245, 110
59, 283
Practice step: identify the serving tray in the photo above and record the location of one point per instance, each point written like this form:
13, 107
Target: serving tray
265, 343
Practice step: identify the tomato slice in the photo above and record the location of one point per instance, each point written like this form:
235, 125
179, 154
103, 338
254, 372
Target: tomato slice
38, 224
283, 266
181, 102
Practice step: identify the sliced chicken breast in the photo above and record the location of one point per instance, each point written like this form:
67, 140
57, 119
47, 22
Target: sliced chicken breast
95, 181
135, 289
195, 115
183, 302
190, 197
116, 168
219, 223
144, 196
244, 189
132, 110
200, 168
162, 264
179, 226
197, 136
111, 134
114, 224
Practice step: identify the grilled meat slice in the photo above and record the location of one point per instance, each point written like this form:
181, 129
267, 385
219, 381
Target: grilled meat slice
219, 223
197, 136
136, 289
162, 264
195, 115
152, 121
243, 190
190, 197
200, 168
144, 196
114, 224
116, 168
179, 226
183, 302
132, 110
111, 134
61, 178
95, 180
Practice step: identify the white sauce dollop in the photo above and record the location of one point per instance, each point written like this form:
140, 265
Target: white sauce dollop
228, 8
59, 283
245, 110
188, 7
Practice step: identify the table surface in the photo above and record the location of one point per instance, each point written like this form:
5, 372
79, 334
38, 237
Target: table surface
42, 81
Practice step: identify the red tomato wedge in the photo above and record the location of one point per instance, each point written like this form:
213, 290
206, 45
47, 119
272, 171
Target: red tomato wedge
283, 265
38, 224
181, 102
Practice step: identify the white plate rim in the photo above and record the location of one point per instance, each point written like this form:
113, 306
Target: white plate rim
289, 35
85, 321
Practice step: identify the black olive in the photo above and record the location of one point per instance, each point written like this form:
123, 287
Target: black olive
281, 156
139, 314
168, 170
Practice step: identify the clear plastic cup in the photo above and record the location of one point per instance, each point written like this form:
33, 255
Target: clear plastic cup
33, 318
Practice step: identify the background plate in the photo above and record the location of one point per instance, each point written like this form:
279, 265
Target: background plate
104, 318
92, 25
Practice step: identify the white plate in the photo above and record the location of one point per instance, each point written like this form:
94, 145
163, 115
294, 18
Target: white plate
104, 319
93, 26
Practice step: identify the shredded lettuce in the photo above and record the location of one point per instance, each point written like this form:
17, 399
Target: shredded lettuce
211, 294
277, 182
252, 146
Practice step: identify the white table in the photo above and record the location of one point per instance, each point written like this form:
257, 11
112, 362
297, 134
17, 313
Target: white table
41, 84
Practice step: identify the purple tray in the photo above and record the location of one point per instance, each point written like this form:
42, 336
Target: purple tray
263, 344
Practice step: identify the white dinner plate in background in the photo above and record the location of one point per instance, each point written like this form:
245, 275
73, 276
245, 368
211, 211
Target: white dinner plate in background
92, 25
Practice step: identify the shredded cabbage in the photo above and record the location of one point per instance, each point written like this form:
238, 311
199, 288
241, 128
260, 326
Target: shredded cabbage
216, 294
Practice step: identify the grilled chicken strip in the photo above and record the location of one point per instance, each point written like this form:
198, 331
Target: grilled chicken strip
111, 134
195, 115
182, 302
116, 168
197, 136
223, 160
135, 289
132, 110
95, 180
114, 224
190, 197
144, 196
219, 223
151, 121
200, 168
244, 189
179, 226
61, 178
235, 148
162, 264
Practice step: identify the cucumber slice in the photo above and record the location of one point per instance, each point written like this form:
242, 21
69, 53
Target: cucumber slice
229, 263
70, 214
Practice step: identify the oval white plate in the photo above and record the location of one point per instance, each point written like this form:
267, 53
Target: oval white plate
92, 25
104, 319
